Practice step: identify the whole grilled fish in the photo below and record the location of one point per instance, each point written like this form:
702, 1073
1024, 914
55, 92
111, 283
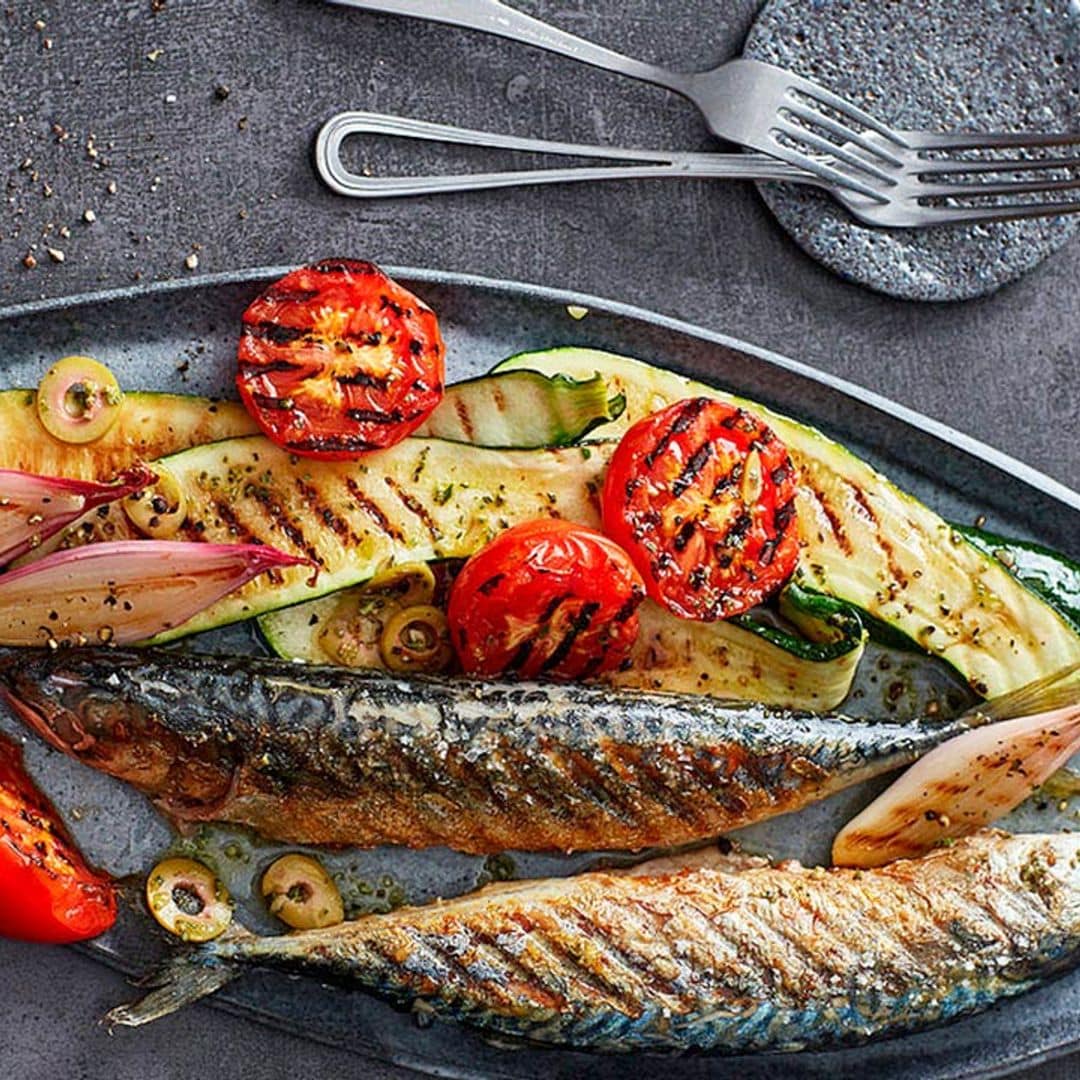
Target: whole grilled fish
729, 956
328, 756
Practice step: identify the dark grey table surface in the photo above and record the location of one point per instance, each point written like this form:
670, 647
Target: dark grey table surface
185, 126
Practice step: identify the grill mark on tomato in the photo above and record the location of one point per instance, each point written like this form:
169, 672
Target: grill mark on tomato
325, 512
553, 605
687, 415
274, 332
362, 378
268, 401
685, 534
733, 476
464, 419
736, 532
631, 605
521, 655
277, 515
489, 586
767, 553
581, 622
373, 510
415, 507
695, 463
785, 515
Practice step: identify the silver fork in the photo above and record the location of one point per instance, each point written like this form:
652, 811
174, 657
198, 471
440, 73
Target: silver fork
771, 110
904, 207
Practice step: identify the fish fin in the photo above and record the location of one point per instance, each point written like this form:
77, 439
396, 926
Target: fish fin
1057, 690
960, 786
183, 980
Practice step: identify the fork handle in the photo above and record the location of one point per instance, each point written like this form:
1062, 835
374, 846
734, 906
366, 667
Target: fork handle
494, 17
652, 163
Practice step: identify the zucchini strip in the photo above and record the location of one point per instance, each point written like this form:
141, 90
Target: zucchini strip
149, 426
870, 544
522, 410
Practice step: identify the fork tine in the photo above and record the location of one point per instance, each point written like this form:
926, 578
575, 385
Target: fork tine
838, 104
848, 135
952, 165
856, 161
993, 187
948, 215
974, 140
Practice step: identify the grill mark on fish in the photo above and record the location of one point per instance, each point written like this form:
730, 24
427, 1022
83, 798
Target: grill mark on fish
415, 507
573, 962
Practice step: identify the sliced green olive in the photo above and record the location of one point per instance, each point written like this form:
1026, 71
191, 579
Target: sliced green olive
78, 399
417, 639
158, 511
302, 894
353, 633
188, 900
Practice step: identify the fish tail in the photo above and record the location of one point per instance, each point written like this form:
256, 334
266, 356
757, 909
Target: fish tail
184, 979
1058, 690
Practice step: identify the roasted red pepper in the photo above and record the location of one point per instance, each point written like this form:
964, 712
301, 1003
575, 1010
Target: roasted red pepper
47, 892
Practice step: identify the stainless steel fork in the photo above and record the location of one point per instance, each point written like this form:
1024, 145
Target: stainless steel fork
761, 107
926, 198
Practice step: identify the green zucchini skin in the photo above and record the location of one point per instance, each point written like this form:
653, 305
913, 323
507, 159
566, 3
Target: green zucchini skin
1047, 573
522, 410
869, 544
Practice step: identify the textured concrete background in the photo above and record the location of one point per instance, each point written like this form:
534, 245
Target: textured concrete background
185, 127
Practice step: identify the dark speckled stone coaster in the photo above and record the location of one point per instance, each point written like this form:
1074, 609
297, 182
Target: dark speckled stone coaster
947, 65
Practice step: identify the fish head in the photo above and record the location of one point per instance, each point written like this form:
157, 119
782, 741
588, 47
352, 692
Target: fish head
63, 697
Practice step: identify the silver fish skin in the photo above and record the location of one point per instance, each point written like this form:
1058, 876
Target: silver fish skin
735, 958
329, 756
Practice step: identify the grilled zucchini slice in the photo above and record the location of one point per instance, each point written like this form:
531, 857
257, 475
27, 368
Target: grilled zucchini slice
868, 543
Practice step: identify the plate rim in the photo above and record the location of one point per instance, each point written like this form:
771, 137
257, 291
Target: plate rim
976, 448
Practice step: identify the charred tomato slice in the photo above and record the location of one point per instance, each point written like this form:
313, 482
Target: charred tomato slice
702, 496
336, 359
546, 598
47, 892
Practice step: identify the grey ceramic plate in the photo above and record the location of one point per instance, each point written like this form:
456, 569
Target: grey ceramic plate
183, 337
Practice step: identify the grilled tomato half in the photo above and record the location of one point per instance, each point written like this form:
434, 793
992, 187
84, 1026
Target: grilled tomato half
336, 359
545, 598
702, 496
47, 892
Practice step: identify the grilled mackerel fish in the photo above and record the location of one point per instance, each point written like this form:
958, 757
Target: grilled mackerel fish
329, 756
730, 956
